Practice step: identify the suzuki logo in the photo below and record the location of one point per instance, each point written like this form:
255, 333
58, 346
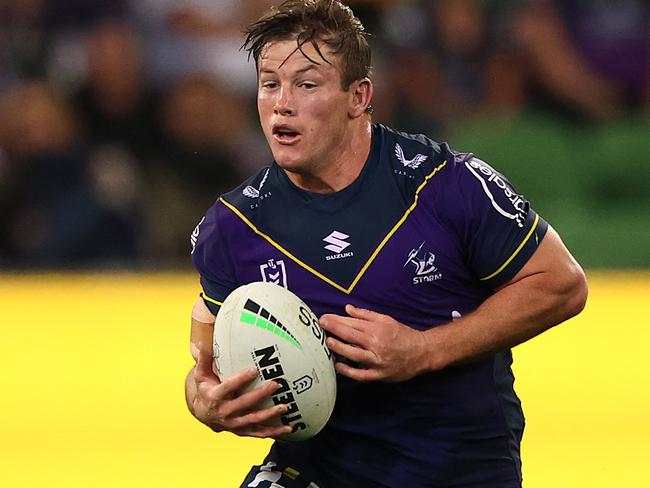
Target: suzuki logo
336, 241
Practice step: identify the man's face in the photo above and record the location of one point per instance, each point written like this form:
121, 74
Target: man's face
303, 109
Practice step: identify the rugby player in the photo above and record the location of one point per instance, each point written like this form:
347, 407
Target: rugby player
424, 264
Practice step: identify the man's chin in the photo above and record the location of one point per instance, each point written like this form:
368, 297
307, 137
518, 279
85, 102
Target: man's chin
292, 165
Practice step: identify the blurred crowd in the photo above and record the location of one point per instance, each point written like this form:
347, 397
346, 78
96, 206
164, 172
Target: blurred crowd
121, 121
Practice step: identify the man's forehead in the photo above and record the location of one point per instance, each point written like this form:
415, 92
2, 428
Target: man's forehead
280, 52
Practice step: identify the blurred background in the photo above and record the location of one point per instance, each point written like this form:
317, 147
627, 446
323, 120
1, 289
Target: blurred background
121, 122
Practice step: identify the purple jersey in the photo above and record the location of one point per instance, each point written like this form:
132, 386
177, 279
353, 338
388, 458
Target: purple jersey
423, 235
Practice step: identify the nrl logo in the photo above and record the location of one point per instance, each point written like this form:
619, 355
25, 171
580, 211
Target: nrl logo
409, 163
274, 272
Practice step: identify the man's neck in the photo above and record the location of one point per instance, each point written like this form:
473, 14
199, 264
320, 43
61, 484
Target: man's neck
343, 168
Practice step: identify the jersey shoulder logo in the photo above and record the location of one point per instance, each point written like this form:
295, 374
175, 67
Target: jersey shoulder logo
485, 174
195, 235
251, 191
413, 163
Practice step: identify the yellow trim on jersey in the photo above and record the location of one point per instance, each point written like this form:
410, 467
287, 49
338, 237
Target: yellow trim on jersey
396, 226
370, 259
211, 300
280, 248
519, 248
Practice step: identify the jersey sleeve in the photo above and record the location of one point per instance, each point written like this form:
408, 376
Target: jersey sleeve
498, 227
211, 258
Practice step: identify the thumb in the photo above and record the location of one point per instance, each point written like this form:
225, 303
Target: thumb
203, 369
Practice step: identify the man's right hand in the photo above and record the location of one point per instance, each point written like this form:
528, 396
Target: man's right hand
220, 406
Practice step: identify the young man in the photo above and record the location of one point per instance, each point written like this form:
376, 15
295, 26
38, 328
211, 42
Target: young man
424, 265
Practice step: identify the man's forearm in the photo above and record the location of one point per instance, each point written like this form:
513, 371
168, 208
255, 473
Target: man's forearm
511, 316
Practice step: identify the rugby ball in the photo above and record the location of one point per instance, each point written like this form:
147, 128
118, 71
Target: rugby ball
267, 326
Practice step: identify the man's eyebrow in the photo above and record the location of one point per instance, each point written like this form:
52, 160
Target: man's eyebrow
300, 71
308, 68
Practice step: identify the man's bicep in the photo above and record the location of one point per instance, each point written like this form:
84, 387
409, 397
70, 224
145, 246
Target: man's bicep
551, 258
554, 283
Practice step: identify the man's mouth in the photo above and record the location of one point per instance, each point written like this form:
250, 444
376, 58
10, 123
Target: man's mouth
285, 134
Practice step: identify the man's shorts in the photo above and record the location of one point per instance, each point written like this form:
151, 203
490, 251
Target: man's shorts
270, 475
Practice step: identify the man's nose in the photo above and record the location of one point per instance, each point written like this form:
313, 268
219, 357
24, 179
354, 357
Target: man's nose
284, 102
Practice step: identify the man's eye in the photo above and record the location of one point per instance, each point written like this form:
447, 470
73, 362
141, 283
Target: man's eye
269, 84
308, 85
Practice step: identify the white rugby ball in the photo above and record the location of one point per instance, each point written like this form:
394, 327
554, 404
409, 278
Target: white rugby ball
266, 326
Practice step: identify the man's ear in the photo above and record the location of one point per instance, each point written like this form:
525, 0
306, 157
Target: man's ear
360, 97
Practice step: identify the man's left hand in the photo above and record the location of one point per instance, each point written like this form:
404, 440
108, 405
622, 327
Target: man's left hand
383, 348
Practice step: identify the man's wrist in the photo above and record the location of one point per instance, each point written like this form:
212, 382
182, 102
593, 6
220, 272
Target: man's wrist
434, 357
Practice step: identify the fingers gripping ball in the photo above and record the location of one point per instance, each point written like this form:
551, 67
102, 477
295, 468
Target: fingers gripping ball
266, 326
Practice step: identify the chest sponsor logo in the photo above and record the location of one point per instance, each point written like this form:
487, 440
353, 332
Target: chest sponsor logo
256, 193
413, 163
274, 272
424, 263
491, 181
336, 242
195, 235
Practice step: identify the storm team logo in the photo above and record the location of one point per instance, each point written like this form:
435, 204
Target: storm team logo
424, 262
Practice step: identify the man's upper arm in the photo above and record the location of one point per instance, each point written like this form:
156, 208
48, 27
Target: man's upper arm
554, 277
560, 272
